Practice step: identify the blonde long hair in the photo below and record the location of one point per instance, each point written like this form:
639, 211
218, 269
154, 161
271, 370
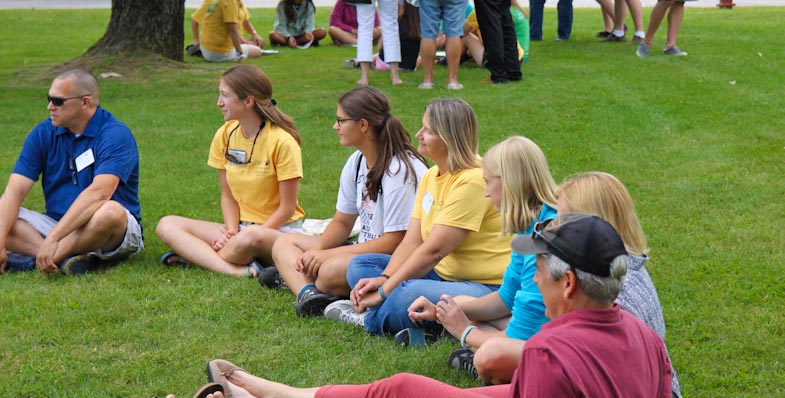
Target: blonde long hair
605, 196
456, 124
527, 182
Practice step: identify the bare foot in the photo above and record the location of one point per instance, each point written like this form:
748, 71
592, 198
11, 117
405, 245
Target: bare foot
396, 82
362, 82
262, 388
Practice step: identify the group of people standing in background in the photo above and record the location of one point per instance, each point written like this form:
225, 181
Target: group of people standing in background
409, 32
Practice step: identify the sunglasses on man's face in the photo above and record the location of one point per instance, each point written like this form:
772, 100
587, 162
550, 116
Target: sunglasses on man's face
59, 101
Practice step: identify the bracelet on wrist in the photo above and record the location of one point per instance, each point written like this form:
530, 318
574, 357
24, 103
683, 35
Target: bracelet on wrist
385, 276
466, 333
381, 293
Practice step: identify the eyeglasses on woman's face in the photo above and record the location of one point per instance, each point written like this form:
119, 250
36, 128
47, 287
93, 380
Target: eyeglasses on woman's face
341, 120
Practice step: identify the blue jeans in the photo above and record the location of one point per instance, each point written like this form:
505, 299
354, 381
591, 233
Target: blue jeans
564, 10
392, 315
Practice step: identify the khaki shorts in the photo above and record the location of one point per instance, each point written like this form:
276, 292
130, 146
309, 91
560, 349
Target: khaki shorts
132, 241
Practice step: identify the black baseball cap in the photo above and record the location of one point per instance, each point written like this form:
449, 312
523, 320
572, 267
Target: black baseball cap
585, 242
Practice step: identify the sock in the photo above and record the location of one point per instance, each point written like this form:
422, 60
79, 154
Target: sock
640, 34
618, 33
306, 287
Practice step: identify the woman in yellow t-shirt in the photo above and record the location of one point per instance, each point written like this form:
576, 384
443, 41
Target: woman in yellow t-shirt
257, 154
452, 245
220, 38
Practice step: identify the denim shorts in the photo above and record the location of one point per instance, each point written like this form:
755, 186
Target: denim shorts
452, 12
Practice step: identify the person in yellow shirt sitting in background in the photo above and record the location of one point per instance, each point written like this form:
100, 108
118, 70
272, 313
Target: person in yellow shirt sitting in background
220, 38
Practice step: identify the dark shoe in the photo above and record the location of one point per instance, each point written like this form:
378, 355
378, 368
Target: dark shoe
79, 264
193, 50
271, 279
19, 262
171, 258
614, 39
636, 40
463, 358
312, 302
602, 35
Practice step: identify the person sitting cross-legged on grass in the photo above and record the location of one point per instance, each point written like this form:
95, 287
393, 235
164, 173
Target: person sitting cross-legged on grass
295, 24
257, 155
520, 185
89, 167
220, 37
378, 185
603, 195
590, 348
452, 245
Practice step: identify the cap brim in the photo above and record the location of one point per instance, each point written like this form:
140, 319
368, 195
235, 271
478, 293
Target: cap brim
526, 245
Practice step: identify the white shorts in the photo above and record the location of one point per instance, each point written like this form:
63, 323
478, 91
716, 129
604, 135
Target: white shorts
223, 57
294, 226
132, 241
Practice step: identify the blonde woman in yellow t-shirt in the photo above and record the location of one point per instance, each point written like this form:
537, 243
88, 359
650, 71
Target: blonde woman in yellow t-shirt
217, 27
257, 155
452, 245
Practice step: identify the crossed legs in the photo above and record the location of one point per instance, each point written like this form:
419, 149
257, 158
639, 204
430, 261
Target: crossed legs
194, 240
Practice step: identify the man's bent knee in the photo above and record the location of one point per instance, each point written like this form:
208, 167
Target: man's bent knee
110, 216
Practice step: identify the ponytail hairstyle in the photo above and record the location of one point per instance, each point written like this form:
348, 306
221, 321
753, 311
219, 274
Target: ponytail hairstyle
526, 181
290, 12
391, 137
249, 81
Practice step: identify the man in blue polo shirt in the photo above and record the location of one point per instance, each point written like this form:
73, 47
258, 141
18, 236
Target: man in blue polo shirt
89, 168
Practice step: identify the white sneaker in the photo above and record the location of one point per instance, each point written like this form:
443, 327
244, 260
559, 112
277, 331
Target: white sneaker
343, 311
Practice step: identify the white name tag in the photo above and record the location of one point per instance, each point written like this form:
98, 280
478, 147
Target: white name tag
238, 154
84, 160
427, 202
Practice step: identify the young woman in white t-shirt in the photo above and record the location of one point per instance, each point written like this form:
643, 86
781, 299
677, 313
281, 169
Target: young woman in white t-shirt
378, 184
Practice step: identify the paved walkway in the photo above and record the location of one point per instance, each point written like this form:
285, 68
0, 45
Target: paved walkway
75, 4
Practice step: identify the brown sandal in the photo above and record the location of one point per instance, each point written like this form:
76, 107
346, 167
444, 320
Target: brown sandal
208, 389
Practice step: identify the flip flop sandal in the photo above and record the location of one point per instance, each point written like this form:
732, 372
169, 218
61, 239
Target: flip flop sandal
208, 389
171, 258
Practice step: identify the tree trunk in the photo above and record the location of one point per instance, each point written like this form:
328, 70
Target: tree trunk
154, 26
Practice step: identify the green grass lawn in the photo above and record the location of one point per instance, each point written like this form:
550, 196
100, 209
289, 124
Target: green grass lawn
699, 141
